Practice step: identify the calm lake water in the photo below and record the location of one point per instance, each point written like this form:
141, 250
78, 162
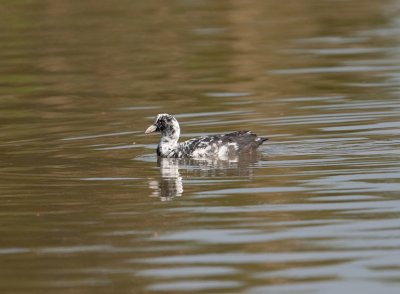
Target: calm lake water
86, 207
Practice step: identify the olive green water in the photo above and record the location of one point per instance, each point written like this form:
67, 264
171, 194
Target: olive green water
86, 208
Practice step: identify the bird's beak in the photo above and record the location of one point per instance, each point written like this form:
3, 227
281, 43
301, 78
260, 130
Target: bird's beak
151, 129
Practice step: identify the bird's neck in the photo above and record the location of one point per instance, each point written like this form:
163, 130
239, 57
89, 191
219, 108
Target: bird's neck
169, 141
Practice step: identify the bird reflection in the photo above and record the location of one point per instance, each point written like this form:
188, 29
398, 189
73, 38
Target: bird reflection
170, 183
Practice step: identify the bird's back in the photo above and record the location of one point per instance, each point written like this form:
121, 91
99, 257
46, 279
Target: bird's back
230, 144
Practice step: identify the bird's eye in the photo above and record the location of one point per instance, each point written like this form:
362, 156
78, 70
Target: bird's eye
161, 123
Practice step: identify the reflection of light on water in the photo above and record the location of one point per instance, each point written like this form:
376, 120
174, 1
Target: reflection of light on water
170, 183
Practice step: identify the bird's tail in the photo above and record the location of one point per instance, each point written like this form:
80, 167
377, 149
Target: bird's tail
260, 140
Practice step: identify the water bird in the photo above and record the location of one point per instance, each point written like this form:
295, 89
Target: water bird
212, 146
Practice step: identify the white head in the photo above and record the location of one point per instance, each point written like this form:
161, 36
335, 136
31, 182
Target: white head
167, 125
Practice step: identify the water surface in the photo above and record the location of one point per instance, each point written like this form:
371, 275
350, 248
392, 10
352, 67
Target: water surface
86, 207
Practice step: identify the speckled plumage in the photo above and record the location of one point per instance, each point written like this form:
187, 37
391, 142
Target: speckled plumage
221, 146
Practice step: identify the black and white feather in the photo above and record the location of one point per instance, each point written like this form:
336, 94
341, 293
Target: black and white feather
221, 146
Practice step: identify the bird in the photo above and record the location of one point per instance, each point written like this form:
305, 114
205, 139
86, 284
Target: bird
212, 146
